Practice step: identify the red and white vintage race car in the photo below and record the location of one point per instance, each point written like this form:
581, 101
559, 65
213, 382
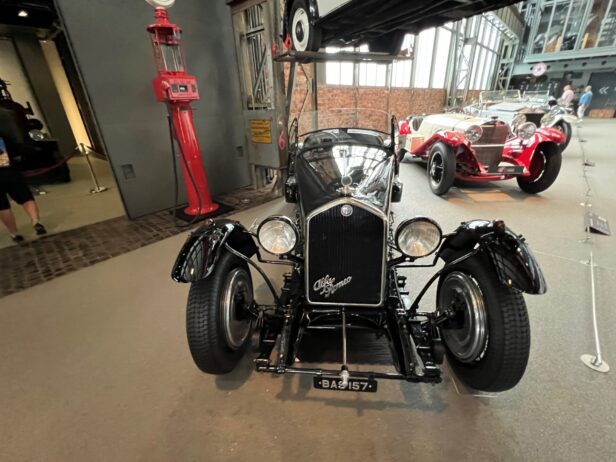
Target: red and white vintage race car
469, 148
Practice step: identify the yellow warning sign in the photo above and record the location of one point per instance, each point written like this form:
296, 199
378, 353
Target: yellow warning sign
261, 131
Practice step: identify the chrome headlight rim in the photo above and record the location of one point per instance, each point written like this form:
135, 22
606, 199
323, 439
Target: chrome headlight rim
282, 219
548, 119
523, 132
518, 120
36, 134
406, 223
473, 133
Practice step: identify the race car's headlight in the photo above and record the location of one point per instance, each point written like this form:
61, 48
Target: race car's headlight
473, 133
518, 120
277, 235
36, 135
548, 119
418, 237
526, 130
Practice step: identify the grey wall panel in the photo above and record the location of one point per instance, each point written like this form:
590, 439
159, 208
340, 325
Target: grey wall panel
113, 53
43, 86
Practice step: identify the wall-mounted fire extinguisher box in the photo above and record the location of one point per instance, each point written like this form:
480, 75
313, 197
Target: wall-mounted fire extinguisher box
175, 87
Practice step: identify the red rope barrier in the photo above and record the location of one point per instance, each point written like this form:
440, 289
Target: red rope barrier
42, 171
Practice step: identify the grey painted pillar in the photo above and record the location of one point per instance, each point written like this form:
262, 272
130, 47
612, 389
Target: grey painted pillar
36, 68
113, 54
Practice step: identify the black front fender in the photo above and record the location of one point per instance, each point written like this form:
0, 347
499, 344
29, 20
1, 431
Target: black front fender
201, 250
513, 261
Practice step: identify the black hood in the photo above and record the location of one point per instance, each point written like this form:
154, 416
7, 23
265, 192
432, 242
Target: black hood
331, 172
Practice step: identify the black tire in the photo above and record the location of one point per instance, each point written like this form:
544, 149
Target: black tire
564, 127
299, 24
209, 344
504, 351
441, 168
401, 154
544, 167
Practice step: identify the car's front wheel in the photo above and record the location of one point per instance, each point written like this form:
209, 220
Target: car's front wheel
441, 168
544, 169
564, 127
488, 338
218, 322
305, 36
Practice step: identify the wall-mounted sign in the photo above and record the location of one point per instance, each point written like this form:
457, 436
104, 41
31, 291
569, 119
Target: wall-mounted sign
539, 69
261, 131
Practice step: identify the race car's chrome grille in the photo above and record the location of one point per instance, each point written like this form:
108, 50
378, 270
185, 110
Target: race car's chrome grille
534, 117
345, 256
492, 135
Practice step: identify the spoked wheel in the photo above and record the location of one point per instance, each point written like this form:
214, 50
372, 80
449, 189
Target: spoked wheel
441, 168
218, 322
488, 339
544, 169
564, 127
305, 36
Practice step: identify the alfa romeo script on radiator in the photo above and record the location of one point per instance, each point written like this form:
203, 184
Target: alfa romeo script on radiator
327, 285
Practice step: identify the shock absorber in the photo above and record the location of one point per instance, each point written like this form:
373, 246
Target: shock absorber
344, 371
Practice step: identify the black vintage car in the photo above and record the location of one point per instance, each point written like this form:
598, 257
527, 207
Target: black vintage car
343, 255
382, 24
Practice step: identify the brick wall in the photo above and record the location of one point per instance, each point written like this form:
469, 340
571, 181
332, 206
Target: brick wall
400, 102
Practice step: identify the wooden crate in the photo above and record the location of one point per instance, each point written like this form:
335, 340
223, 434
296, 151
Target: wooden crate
605, 113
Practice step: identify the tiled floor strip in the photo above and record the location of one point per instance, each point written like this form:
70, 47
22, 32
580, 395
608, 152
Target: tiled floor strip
38, 261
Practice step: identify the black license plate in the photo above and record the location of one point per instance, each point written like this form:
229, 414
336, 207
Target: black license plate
508, 170
335, 383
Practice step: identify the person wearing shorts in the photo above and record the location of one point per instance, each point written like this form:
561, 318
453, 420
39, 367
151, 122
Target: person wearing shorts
13, 185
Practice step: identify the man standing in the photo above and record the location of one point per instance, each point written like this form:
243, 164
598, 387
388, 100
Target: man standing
12, 184
585, 100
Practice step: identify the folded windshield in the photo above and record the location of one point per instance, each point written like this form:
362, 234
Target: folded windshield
349, 126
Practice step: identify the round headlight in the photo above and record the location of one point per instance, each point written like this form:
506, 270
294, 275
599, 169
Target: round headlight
473, 133
526, 130
36, 135
518, 120
277, 235
548, 119
418, 237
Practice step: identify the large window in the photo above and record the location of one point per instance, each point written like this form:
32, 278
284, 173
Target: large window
432, 56
423, 58
372, 74
573, 25
402, 71
339, 73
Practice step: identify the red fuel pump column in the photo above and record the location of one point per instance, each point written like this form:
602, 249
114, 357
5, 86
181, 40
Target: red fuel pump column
177, 89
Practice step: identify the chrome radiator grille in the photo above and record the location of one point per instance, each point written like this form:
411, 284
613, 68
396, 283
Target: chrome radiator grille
492, 134
345, 257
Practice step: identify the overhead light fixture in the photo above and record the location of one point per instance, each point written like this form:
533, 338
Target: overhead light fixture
23, 14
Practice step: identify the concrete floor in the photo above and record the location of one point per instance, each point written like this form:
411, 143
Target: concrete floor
94, 365
70, 205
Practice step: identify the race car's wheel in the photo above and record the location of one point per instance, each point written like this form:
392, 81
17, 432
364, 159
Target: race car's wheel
544, 169
564, 127
218, 324
305, 37
488, 340
441, 168
401, 154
